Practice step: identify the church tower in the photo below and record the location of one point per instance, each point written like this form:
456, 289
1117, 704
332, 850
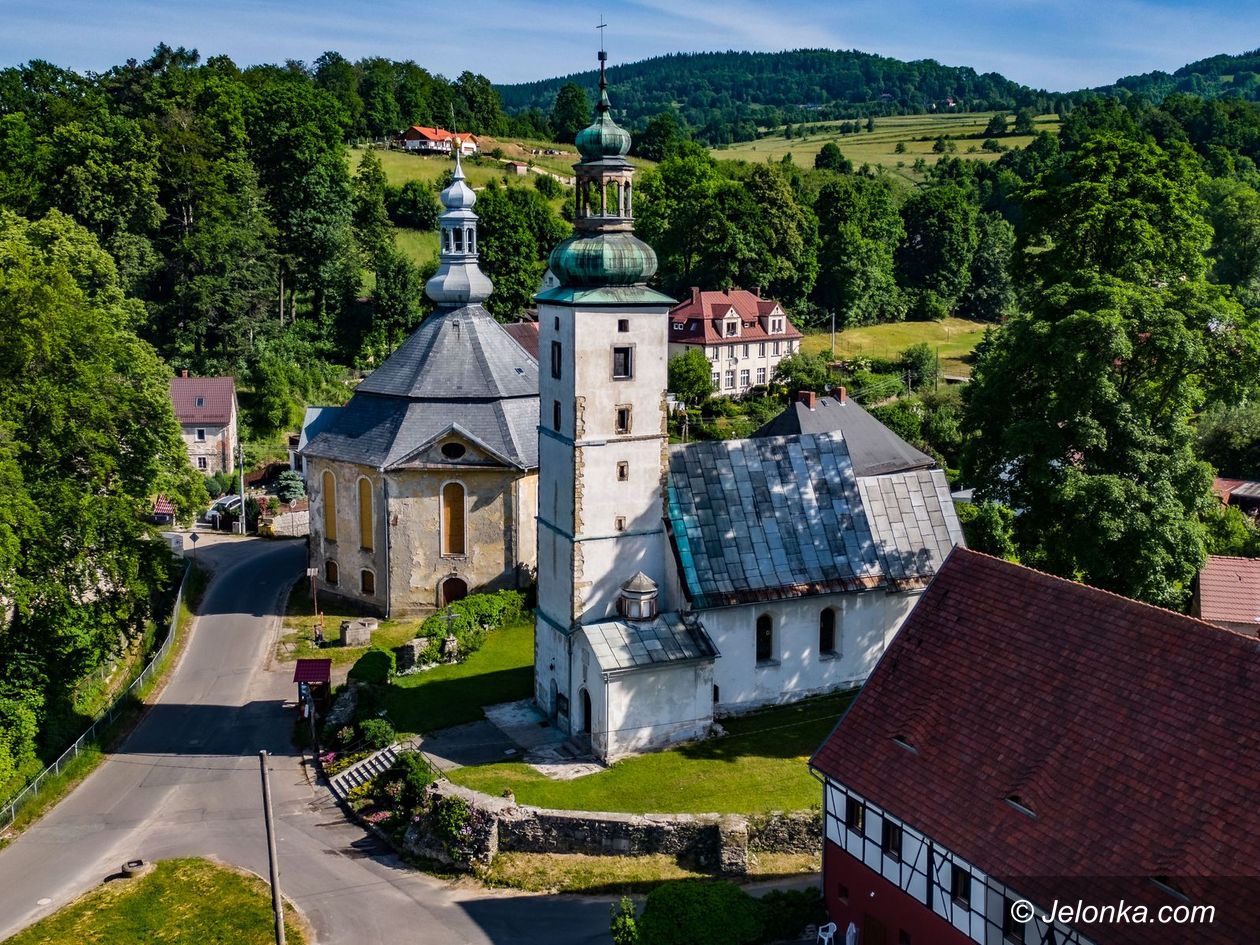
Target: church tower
603, 348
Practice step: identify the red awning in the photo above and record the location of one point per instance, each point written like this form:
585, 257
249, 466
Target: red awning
312, 671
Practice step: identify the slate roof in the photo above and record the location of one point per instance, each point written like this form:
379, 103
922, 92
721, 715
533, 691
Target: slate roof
218, 395
314, 420
1229, 590
459, 371
779, 517
625, 645
1131, 733
873, 448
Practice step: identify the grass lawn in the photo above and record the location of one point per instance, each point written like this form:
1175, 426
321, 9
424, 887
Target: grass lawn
955, 338
420, 246
298, 638
181, 902
758, 766
878, 147
620, 875
501, 671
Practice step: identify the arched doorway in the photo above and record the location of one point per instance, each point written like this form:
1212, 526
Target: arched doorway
586, 712
553, 707
453, 589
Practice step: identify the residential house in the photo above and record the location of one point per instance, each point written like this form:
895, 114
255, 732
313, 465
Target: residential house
520, 168
1242, 493
743, 335
206, 409
1027, 742
1228, 593
437, 140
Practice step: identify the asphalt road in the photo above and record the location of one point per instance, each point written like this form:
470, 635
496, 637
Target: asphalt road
186, 783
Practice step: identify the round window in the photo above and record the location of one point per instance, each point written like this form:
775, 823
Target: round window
453, 450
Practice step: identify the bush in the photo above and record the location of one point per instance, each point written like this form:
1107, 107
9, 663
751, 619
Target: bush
696, 912
870, 387
375, 666
903, 417
920, 364
377, 733
623, 925
414, 772
473, 617
548, 186
989, 527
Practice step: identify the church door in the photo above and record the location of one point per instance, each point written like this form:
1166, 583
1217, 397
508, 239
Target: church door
453, 589
586, 712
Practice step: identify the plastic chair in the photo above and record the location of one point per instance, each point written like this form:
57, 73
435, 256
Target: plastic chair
826, 933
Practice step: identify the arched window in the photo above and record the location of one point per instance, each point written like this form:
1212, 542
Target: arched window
827, 631
586, 712
459, 240
330, 573
367, 582
765, 638
452, 519
330, 506
366, 530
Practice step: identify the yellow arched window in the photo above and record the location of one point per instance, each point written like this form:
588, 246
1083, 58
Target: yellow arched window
452, 519
366, 531
330, 505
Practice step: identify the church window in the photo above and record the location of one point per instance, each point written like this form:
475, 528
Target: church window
717, 380
761, 375
743, 377
555, 415
619, 523
330, 573
367, 583
557, 323
716, 694
827, 631
623, 472
765, 638
730, 380
623, 362
453, 450
452, 519
854, 814
330, 506
556, 352
366, 530
623, 324
623, 420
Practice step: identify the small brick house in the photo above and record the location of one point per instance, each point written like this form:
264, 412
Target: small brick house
1029, 740
206, 409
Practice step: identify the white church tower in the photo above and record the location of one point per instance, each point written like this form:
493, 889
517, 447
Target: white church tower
603, 347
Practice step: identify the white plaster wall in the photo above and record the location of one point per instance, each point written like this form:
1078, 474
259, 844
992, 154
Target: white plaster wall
219, 447
731, 357
346, 550
865, 625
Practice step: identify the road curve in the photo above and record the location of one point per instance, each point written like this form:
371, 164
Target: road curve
186, 783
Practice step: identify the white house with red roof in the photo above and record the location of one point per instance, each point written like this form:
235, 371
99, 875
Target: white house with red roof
743, 335
206, 409
1027, 743
437, 140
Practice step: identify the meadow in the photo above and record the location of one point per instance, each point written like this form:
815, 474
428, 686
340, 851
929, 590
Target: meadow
878, 147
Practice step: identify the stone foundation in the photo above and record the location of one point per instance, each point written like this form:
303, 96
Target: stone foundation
720, 844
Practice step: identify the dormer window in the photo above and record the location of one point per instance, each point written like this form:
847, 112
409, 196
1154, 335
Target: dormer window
732, 329
637, 600
201, 401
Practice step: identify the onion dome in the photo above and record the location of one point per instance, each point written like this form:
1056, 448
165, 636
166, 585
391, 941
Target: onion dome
458, 281
603, 137
603, 259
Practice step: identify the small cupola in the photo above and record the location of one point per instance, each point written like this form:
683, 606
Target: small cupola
638, 598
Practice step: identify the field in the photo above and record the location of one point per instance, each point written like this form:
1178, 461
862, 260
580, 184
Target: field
878, 147
420, 246
181, 902
759, 766
954, 338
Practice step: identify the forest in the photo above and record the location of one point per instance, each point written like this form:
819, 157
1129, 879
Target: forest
178, 213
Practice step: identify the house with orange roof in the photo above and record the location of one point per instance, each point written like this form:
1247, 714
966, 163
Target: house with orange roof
437, 140
743, 335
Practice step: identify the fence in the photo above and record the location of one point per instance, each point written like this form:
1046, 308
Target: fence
8, 813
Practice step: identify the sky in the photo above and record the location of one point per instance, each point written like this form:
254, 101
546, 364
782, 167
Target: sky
1053, 44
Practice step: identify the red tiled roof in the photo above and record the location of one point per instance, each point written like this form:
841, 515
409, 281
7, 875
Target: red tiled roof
162, 506
1229, 590
312, 671
218, 395
701, 317
438, 134
1223, 487
1133, 733
526, 335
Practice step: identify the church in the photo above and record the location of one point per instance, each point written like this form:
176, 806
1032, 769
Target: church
424, 486
680, 583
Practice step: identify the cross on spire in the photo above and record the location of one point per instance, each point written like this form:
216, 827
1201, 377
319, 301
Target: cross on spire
601, 27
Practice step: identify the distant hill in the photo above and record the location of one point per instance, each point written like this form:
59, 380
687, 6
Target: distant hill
1221, 76
725, 95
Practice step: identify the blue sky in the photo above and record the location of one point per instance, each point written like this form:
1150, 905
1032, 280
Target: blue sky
1055, 44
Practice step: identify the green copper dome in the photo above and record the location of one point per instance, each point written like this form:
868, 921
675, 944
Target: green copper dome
603, 259
603, 137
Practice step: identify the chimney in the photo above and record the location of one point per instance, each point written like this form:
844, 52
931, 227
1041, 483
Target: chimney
695, 295
841, 394
756, 290
807, 397
184, 374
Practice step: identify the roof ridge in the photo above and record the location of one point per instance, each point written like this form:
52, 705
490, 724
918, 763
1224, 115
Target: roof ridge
1100, 590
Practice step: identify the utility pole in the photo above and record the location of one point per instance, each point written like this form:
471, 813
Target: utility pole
240, 454
833, 335
277, 905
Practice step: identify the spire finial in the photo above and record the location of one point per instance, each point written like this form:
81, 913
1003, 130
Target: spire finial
459, 168
604, 105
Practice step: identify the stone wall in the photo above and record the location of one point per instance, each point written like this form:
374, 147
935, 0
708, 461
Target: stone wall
720, 844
